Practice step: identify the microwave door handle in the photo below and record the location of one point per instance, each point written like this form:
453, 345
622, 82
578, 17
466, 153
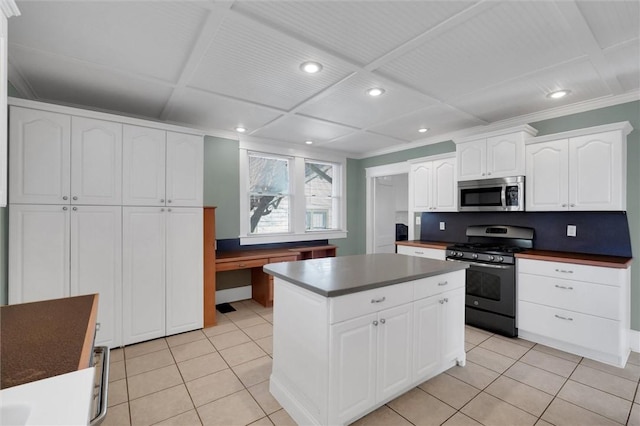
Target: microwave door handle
503, 196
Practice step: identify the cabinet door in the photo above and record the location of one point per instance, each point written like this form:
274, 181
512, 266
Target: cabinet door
595, 178
352, 374
184, 169
452, 324
395, 350
96, 265
472, 159
445, 191
505, 156
38, 252
547, 182
426, 326
184, 270
143, 278
420, 186
96, 162
143, 166
39, 157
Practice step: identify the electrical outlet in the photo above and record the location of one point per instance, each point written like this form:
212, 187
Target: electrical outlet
418, 220
443, 226
571, 230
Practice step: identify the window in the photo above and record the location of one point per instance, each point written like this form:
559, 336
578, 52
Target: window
290, 197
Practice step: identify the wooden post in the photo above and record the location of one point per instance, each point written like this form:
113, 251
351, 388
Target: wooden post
209, 266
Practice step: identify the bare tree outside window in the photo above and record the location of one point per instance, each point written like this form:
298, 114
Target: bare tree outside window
320, 194
269, 195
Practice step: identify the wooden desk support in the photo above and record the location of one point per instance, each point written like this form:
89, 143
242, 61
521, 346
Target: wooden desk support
209, 229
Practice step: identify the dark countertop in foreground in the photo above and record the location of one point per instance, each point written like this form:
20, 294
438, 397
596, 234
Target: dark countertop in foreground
337, 276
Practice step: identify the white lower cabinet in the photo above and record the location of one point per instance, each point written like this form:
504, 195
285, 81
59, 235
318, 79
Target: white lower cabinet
58, 251
429, 253
162, 271
382, 343
576, 308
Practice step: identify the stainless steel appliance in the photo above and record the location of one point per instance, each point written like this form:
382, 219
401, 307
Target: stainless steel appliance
491, 276
100, 385
501, 194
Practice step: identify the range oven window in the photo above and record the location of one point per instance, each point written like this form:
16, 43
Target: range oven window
482, 197
483, 284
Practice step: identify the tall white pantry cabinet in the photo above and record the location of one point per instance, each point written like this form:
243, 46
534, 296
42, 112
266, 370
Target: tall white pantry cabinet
75, 229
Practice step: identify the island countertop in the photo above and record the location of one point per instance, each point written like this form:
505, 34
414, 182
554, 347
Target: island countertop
337, 276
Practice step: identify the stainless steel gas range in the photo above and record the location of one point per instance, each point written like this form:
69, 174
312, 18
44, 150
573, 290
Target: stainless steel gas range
491, 276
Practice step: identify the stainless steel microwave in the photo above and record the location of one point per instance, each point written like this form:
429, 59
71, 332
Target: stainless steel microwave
491, 195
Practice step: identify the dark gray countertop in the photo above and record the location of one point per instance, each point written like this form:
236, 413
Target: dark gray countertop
336, 276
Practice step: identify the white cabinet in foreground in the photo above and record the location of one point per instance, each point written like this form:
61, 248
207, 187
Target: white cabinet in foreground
338, 358
576, 308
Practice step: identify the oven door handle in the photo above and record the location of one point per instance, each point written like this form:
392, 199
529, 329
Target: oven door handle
103, 387
488, 265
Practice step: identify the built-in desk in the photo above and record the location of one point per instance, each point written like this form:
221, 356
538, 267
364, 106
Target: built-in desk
262, 283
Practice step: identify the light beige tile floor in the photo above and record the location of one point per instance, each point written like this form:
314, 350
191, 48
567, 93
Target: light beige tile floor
220, 376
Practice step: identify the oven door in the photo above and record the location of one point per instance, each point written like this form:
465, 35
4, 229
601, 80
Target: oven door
491, 288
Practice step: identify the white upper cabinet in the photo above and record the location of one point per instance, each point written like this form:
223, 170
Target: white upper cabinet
184, 179
144, 153
432, 185
493, 155
96, 162
585, 170
39, 152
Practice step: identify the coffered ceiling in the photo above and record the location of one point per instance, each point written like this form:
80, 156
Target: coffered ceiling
214, 65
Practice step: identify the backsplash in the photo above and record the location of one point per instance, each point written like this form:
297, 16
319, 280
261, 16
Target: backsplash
605, 233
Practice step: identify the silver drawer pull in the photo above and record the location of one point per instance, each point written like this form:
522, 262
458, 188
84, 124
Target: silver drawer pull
375, 323
441, 301
564, 271
446, 300
382, 299
444, 283
564, 287
419, 252
563, 318
382, 321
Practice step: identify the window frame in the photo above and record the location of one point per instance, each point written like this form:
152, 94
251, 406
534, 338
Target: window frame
297, 195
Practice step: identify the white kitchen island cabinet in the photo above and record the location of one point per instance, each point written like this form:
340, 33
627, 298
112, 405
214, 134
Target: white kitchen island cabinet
352, 333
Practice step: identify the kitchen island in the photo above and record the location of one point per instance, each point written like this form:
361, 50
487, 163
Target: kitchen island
354, 332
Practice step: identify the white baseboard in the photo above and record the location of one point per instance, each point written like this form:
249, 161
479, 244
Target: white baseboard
634, 340
233, 294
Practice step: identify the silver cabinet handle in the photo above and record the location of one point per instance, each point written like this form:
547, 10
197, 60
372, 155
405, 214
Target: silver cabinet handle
382, 321
168, 201
446, 300
441, 301
572, 205
375, 323
483, 174
75, 198
563, 318
97, 326
489, 173
564, 205
418, 252
64, 208
75, 209
564, 287
382, 299
565, 271
444, 283
65, 198
162, 200
161, 210
168, 210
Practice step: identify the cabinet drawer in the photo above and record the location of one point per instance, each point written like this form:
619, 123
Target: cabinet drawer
573, 271
291, 258
244, 264
429, 253
426, 287
579, 329
365, 302
588, 298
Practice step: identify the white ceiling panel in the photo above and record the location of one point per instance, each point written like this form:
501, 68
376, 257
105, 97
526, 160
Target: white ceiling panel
504, 42
249, 61
528, 94
296, 129
360, 30
207, 111
612, 22
147, 37
625, 59
348, 102
363, 142
439, 119
77, 83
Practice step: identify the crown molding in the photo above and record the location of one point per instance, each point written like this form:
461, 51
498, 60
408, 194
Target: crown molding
9, 8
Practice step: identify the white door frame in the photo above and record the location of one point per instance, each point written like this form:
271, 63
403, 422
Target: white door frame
371, 174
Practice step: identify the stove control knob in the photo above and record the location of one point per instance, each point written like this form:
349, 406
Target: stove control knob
474, 255
460, 254
500, 259
491, 258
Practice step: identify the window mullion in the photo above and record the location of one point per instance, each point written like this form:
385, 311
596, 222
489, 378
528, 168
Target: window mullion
298, 196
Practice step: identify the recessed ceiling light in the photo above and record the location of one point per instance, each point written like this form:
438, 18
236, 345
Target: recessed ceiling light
558, 94
423, 130
375, 91
309, 142
240, 129
311, 67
